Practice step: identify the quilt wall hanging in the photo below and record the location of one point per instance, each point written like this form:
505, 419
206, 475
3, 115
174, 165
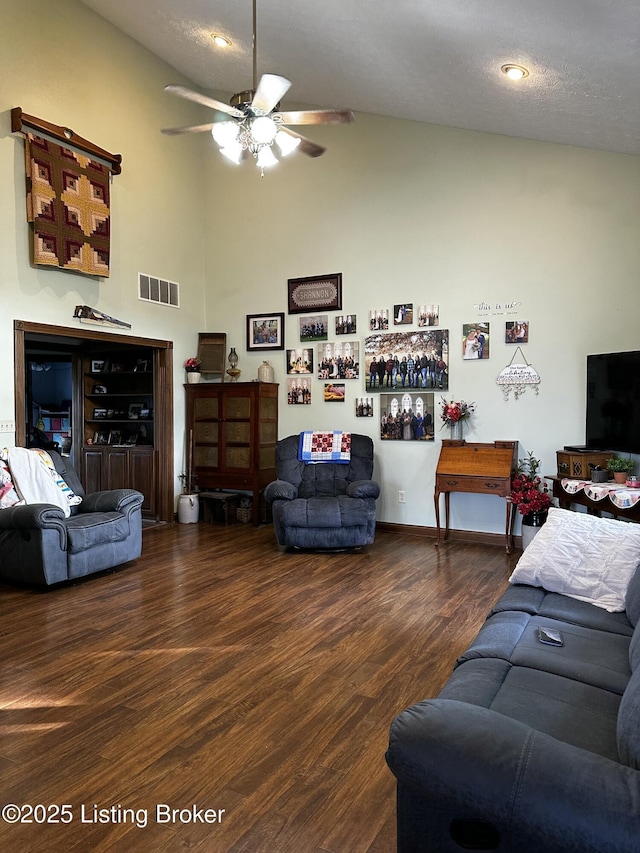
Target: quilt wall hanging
68, 198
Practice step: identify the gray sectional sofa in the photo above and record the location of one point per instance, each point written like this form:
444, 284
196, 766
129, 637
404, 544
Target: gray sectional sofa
530, 746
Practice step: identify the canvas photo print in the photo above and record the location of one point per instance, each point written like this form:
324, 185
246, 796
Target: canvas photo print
346, 325
516, 332
475, 340
298, 392
339, 360
411, 360
428, 315
378, 319
364, 407
406, 416
403, 314
334, 392
300, 361
314, 328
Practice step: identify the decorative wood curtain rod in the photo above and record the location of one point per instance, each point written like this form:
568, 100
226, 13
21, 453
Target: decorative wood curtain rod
20, 121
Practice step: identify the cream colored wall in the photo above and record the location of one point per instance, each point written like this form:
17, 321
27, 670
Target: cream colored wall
418, 213
61, 62
407, 212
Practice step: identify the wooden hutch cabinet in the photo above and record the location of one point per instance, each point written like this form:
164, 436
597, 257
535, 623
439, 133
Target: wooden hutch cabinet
118, 419
235, 429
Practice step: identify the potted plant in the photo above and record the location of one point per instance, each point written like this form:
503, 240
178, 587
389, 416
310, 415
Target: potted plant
192, 366
620, 468
530, 497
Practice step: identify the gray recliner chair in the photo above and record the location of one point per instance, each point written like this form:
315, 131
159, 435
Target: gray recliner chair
38, 545
324, 505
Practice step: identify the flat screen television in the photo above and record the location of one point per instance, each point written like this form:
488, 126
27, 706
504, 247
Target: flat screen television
613, 402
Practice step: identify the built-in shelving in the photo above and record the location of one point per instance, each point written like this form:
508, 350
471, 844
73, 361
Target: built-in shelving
119, 422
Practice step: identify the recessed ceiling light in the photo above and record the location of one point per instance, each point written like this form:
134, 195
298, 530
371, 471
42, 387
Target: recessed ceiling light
515, 72
220, 40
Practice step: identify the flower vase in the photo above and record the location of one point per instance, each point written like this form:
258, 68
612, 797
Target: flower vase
193, 376
456, 431
531, 524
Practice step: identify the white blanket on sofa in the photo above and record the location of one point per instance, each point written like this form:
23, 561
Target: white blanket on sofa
37, 481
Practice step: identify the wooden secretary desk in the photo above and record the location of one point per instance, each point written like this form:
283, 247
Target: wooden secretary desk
481, 468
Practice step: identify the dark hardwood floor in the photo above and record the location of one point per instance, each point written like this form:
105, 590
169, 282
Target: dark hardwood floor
221, 673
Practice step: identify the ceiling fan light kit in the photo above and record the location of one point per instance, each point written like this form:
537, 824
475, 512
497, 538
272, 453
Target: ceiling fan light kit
256, 121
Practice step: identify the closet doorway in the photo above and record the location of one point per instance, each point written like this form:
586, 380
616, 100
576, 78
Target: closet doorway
39, 344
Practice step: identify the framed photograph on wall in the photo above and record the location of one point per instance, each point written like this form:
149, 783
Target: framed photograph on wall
135, 410
265, 332
315, 293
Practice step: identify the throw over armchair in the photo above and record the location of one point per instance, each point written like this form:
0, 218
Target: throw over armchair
39, 545
324, 505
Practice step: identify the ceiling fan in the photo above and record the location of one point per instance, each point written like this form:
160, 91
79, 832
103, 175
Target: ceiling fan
256, 121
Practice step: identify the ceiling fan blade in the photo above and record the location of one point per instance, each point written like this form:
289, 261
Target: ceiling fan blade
317, 117
311, 149
271, 89
197, 98
196, 128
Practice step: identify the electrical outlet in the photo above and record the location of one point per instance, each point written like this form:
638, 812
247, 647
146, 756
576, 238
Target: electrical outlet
7, 426
400, 497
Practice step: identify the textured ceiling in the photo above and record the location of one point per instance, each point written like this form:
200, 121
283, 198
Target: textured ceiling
434, 61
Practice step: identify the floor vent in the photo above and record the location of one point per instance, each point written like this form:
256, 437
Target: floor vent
153, 289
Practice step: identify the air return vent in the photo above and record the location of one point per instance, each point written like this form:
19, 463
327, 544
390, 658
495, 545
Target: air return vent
154, 289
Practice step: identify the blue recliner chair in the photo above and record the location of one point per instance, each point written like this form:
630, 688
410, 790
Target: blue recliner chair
325, 505
38, 545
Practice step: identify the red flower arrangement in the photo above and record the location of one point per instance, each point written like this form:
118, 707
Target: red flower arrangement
526, 491
192, 365
456, 411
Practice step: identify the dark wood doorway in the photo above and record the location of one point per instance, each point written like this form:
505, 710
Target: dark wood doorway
27, 334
